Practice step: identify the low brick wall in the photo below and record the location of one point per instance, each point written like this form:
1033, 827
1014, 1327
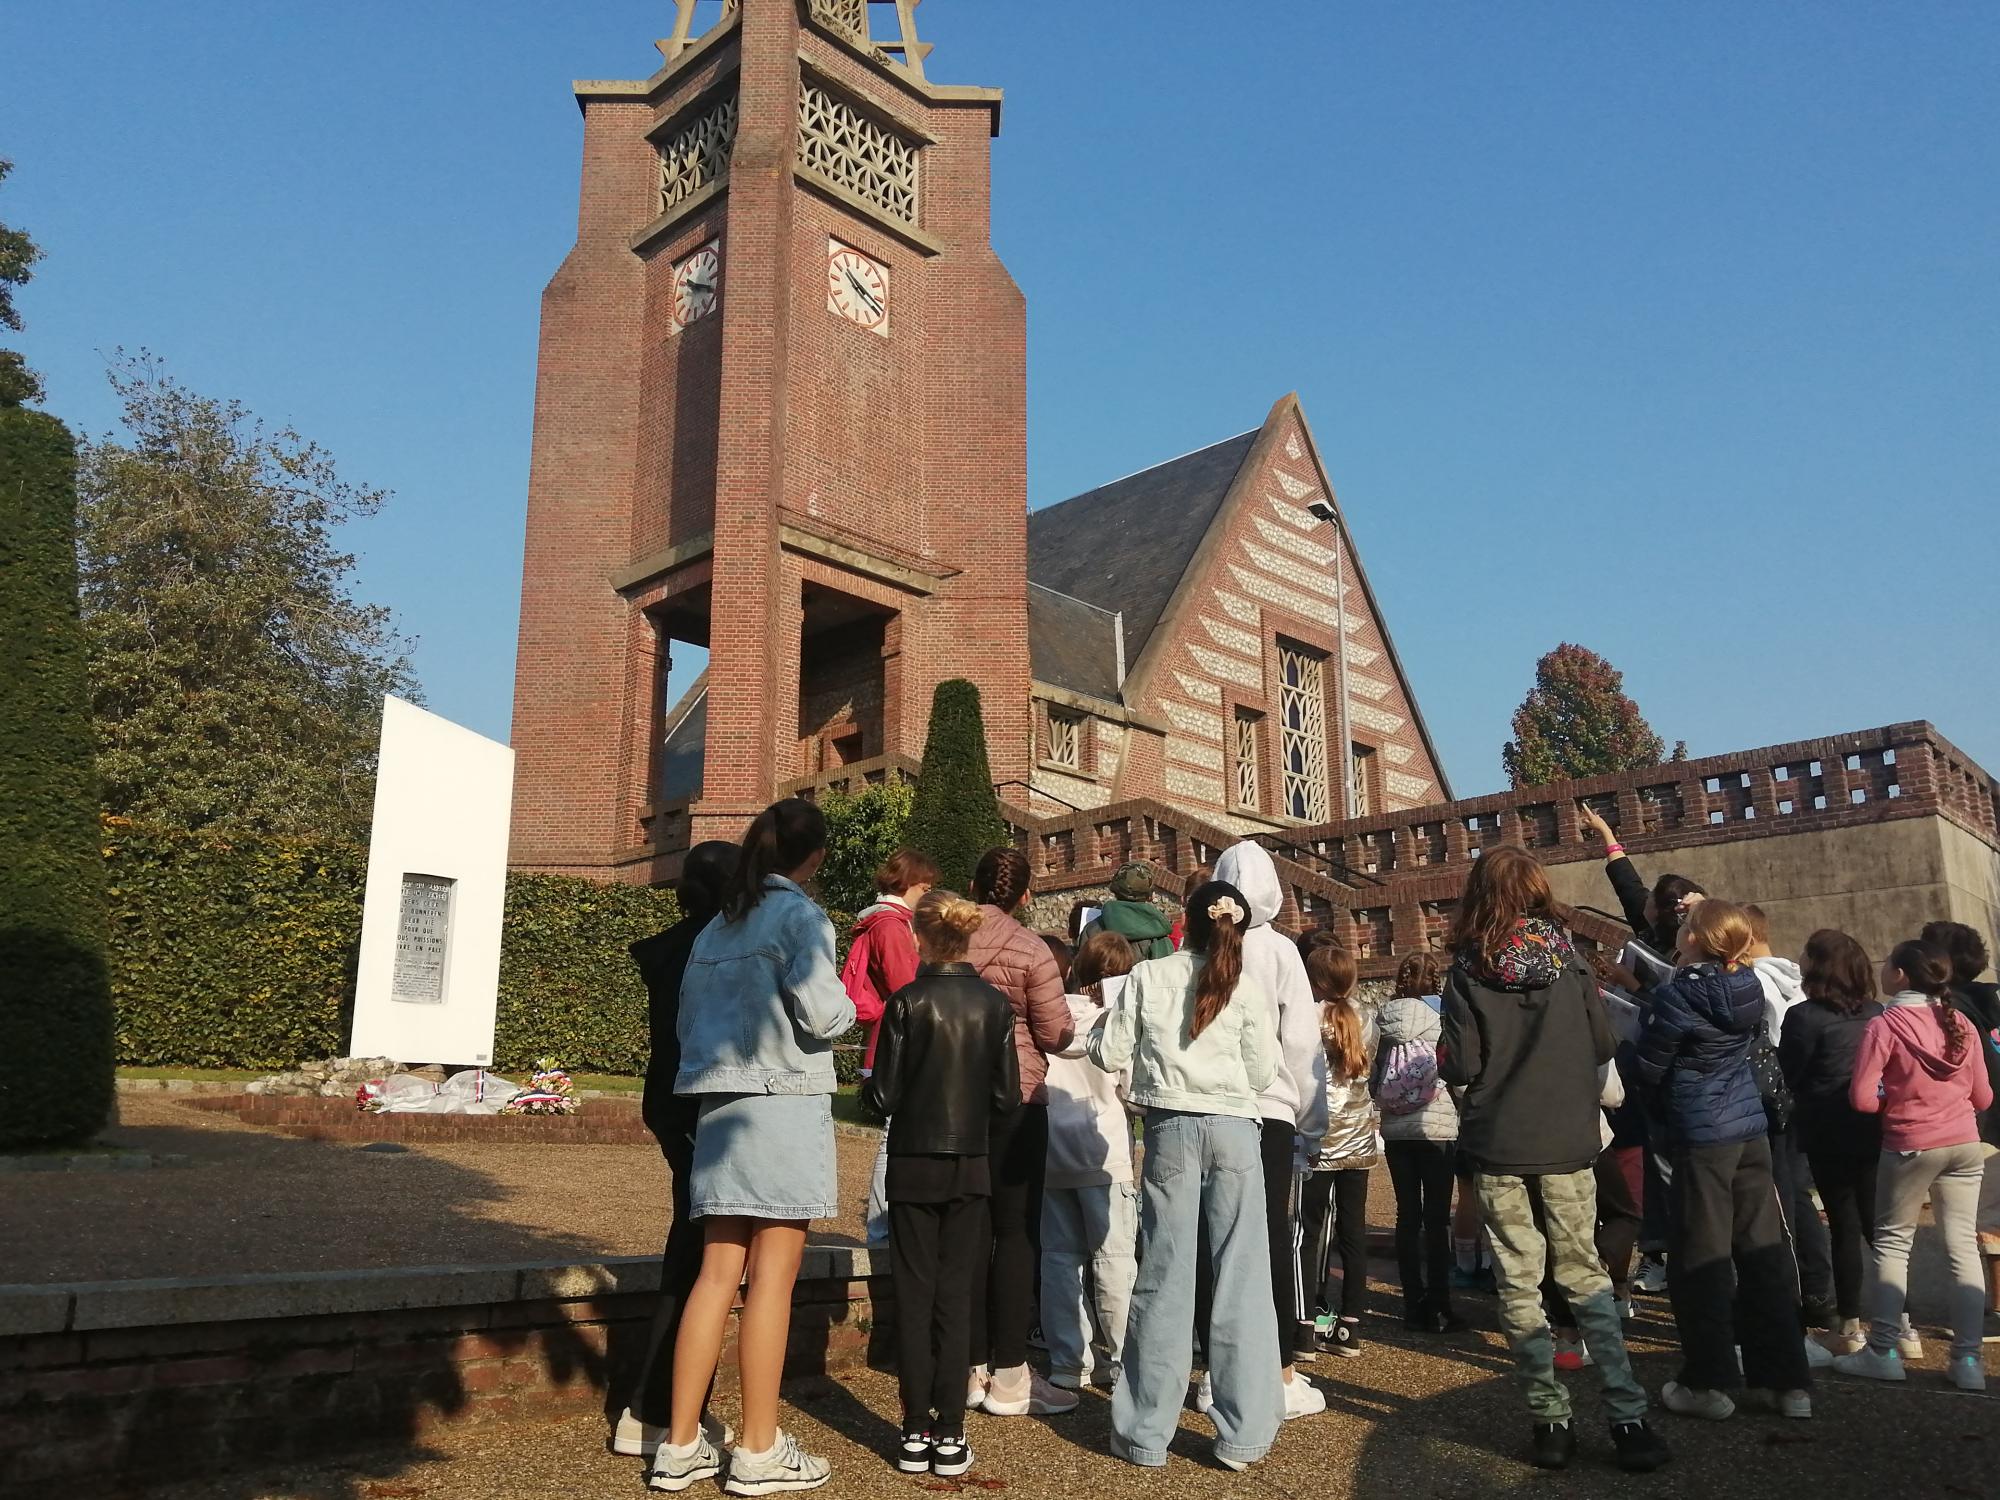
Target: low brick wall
140, 1381
598, 1122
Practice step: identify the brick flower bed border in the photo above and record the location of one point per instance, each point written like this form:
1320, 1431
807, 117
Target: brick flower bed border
112, 1386
599, 1122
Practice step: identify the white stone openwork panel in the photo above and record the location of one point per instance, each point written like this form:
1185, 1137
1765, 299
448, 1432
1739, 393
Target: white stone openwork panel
698, 153
1302, 728
852, 151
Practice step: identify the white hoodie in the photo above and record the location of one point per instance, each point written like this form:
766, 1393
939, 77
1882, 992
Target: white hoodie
1783, 988
1298, 1093
1090, 1135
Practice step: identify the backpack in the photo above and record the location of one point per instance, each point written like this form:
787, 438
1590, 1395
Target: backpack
1771, 1086
1409, 1074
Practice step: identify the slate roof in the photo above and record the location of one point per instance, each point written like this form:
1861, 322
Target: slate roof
1123, 546
1072, 644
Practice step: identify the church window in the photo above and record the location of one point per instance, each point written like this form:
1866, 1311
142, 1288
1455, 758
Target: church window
1361, 795
840, 144
1302, 729
1065, 739
1247, 724
698, 153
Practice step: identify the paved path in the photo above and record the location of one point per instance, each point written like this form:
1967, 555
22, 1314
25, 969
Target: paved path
1412, 1418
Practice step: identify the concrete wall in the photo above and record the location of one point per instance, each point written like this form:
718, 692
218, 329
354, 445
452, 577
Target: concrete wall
1881, 882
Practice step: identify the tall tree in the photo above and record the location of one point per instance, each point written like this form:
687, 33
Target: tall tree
236, 680
862, 830
18, 254
55, 996
955, 816
1576, 721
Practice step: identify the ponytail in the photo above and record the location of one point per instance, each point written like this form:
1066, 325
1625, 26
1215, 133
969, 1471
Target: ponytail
785, 835
1332, 971
1927, 966
1216, 916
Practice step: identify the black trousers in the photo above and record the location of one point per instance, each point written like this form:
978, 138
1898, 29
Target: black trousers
1334, 1217
1421, 1172
933, 1247
1730, 1273
1846, 1181
1277, 1149
1809, 1237
1004, 1281
680, 1263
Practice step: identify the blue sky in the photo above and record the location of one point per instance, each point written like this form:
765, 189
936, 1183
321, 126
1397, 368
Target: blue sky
1673, 330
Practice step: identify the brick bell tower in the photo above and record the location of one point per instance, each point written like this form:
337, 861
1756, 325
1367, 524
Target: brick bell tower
779, 413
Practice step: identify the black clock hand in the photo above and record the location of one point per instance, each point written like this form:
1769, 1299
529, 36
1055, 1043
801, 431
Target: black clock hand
866, 295
701, 286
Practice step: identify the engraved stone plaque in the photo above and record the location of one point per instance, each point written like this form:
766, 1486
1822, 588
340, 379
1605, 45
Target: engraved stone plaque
423, 933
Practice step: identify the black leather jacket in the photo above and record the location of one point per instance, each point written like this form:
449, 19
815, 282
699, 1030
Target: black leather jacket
944, 1063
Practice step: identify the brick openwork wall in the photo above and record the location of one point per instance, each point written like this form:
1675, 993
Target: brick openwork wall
111, 1387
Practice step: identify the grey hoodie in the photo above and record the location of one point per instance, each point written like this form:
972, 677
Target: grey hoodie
1407, 1020
1783, 988
1298, 1093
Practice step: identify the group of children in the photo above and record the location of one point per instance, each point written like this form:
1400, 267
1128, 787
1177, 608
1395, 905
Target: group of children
1011, 1069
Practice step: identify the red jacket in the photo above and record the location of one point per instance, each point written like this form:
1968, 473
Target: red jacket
882, 960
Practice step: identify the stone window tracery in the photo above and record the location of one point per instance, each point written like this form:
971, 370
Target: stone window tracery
1302, 728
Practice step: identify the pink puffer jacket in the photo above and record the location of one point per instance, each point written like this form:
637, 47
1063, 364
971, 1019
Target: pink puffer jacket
1018, 964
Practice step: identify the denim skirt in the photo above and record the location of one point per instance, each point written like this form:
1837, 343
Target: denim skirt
765, 1156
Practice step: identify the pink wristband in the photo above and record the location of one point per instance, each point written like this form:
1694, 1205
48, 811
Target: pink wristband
1612, 851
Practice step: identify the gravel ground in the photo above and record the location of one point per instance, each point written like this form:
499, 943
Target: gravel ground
253, 1199
1410, 1418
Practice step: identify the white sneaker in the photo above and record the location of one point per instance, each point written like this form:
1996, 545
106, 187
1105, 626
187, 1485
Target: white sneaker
1796, 1404
1303, 1398
785, 1467
1870, 1365
1204, 1394
976, 1381
633, 1438
1967, 1373
1022, 1392
1711, 1406
1624, 1306
1909, 1346
676, 1469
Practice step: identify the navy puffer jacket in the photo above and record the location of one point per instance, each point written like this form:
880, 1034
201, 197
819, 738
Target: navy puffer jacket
1694, 1051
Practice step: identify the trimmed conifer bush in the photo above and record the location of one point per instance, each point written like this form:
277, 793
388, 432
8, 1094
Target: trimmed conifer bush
55, 1000
955, 816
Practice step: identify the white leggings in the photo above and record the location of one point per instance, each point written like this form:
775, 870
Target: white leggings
1950, 1177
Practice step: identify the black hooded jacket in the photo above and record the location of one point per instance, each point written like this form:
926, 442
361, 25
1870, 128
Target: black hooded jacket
1524, 1038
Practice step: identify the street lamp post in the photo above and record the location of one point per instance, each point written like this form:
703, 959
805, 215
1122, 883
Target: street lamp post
1324, 511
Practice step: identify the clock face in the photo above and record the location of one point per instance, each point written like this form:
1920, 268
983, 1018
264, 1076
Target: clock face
696, 282
857, 288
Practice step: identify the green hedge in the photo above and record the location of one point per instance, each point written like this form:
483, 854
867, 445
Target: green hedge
241, 955
55, 1013
230, 955
568, 988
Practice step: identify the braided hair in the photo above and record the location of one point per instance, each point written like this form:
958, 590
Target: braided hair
1002, 878
1928, 969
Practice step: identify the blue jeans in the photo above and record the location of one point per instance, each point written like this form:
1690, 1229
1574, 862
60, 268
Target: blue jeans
1202, 1172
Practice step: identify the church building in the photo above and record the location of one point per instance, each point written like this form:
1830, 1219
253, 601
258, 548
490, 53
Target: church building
781, 415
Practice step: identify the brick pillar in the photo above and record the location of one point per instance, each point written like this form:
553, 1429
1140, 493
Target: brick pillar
752, 638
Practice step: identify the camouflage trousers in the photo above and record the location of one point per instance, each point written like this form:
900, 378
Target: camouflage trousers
1548, 1225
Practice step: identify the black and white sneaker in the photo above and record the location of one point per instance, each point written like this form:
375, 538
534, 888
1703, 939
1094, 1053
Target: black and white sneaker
913, 1454
950, 1457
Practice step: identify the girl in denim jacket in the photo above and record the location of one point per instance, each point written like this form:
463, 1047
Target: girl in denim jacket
761, 1005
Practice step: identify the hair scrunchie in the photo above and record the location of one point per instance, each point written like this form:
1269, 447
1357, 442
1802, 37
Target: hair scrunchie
1225, 910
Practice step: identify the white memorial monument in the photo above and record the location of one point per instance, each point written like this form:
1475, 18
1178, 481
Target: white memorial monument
429, 975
